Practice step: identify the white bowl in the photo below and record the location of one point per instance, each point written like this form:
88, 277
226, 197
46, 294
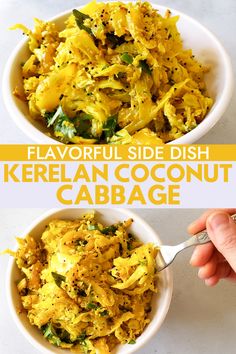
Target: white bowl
204, 44
139, 228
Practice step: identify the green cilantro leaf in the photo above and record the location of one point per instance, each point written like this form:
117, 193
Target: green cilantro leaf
145, 67
58, 278
79, 18
110, 126
127, 58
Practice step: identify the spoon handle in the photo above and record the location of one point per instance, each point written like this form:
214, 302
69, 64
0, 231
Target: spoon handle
167, 254
198, 239
202, 237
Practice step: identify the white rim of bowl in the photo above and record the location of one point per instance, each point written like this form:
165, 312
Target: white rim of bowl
13, 311
211, 119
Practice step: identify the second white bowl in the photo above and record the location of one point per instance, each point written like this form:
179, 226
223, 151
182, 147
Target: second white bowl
140, 229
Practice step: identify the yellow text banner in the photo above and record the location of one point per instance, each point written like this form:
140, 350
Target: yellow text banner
117, 153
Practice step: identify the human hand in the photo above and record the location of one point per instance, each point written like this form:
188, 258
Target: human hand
216, 260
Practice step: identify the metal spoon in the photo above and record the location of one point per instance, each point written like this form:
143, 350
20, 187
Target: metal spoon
166, 254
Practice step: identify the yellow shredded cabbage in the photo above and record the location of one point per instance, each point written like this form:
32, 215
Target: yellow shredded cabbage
86, 286
118, 72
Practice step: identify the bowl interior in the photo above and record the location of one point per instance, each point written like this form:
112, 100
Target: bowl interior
141, 230
204, 45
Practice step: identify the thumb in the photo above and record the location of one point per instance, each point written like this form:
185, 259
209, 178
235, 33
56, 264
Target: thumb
222, 232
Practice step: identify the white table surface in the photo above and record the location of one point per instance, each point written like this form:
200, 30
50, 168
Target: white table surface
200, 319
218, 15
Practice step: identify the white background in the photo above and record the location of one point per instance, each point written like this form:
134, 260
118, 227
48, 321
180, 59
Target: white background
219, 16
192, 194
201, 320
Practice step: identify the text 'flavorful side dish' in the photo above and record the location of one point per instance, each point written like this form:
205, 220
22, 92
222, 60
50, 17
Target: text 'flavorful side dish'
117, 73
86, 286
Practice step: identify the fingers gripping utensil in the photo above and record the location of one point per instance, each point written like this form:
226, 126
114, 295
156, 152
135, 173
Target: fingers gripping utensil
167, 254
